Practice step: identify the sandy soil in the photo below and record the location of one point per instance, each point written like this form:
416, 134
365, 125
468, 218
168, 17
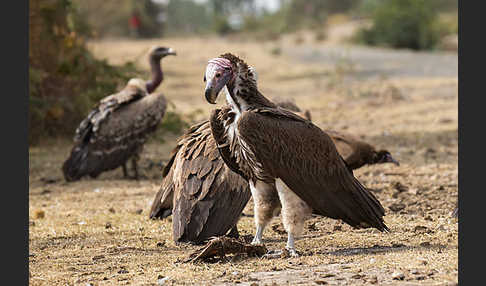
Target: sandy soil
97, 232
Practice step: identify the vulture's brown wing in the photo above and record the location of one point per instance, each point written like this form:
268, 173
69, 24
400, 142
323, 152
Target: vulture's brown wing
90, 125
162, 204
208, 197
306, 160
114, 132
163, 201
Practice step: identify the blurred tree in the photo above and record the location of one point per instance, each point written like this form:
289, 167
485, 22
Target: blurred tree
65, 80
403, 24
112, 17
187, 17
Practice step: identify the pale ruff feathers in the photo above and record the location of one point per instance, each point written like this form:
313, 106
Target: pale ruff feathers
239, 147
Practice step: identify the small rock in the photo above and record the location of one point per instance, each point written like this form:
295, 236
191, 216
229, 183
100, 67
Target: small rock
320, 282
161, 244
337, 228
421, 277
396, 207
397, 275
97, 190
45, 192
425, 244
38, 214
372, 260
31, 223
161, 280
139, 211
82, 223
108, 225
400, 187
414, 271
254, 284
373, 279
424, 262
421, 229
122, 271
111, 210
328, 275
357, 276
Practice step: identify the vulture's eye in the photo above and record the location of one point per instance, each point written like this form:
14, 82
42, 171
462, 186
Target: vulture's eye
217, 75
204, 79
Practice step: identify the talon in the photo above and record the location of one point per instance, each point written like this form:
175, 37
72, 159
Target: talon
292, 252
256, 241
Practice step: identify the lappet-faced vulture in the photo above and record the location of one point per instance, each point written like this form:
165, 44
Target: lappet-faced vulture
117, 128
274, 148
226, 198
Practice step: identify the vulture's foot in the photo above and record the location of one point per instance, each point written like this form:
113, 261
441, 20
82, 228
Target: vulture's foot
256, 241
125, 172
135, 168
282, 253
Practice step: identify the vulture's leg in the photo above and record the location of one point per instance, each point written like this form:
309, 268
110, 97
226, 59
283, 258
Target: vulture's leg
266, 204
125, 173
134, 166
234, 232
294, 213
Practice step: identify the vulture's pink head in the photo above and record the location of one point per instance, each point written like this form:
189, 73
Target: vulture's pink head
219, 72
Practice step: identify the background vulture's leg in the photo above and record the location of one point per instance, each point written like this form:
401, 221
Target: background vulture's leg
234, 232
294, 213
266, 204
125, 173
134, 166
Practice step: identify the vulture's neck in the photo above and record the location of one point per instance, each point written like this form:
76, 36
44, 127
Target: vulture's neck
157, 76
242, 94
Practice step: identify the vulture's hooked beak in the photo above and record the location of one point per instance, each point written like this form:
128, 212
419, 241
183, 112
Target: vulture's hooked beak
216, 78
171, 51
389, 159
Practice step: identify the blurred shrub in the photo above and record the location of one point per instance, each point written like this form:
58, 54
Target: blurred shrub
221, 25
402, 24
187, 17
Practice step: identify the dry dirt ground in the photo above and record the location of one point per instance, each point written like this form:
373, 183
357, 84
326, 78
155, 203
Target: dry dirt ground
97, 232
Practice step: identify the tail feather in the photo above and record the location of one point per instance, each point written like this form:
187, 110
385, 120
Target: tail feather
75, 166
373, 210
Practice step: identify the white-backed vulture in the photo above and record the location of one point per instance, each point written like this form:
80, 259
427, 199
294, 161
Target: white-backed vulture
275, 148
116, 129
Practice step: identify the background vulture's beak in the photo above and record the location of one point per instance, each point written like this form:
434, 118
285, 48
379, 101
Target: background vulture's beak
389, 158
171, 52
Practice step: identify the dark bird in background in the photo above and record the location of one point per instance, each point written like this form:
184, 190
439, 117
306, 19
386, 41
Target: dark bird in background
225, 199
116, 129
355, 152
274, 148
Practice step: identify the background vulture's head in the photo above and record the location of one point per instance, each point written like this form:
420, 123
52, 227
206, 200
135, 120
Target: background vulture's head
159, 52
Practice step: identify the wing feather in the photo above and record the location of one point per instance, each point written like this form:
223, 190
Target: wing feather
305, 158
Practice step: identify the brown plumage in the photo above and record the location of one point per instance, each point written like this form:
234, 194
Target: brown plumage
355, 152
116, 129
207, 196
189, 226
273, 146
